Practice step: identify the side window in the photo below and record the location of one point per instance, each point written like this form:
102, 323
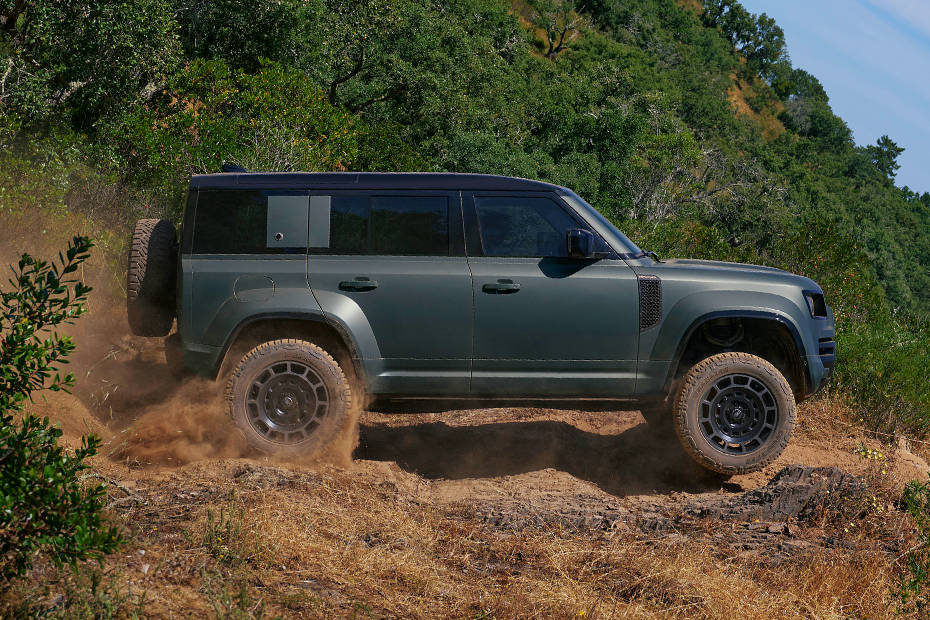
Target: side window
250, 222
522, 226
381, 225
415, 226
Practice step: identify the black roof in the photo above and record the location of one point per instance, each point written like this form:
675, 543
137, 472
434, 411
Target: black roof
367, 180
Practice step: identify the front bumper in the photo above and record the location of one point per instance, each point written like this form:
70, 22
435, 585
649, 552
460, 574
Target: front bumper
822, 361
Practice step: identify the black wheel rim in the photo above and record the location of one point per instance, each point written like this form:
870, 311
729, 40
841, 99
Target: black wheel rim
738, 414
286, 402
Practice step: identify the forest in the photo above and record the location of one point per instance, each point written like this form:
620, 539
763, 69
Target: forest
684, 122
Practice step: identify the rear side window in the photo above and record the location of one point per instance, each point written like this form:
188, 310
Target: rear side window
380, 225
523, 226
250, 222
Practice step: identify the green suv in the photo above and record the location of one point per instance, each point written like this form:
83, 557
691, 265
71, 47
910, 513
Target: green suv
312, 293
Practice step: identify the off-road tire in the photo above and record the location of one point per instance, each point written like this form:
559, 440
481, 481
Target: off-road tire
274, 354
697, 384
151, 276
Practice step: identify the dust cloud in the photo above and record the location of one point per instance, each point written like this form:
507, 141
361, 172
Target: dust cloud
190, 425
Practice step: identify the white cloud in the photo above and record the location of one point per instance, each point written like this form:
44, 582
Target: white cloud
914, 12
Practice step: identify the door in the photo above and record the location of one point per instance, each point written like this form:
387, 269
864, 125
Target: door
545, 324
391, 265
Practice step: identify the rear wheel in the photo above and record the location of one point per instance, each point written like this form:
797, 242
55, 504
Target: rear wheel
734, 413
289, 397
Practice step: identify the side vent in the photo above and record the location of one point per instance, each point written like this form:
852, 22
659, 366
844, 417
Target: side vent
650, 301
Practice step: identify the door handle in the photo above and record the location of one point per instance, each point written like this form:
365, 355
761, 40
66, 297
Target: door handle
501, 287
358, 285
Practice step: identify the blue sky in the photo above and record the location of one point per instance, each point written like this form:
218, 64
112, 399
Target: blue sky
873, 59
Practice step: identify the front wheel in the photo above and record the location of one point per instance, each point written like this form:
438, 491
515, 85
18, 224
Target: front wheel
289, 397
734, 413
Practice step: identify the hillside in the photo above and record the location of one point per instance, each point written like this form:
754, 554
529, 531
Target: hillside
683, 121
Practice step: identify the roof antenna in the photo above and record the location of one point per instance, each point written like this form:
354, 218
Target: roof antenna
228, 167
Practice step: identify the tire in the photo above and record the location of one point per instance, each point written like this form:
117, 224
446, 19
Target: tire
755, 413
151, 276
289, 397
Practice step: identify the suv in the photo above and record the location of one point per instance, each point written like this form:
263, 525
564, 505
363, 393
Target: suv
311, 293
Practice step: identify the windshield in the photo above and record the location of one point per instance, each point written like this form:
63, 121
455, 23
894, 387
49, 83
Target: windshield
627, 248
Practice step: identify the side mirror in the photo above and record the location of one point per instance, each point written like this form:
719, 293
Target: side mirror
580, 243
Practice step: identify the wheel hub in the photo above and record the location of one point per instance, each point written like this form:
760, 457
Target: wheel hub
286, 401
738, 414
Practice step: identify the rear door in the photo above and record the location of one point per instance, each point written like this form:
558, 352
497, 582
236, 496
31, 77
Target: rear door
393, 263
546, 325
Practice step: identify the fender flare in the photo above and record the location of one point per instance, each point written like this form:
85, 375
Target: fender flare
308, 317
739, 314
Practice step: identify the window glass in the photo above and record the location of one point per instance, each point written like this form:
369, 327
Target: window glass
403, 225
230, 222
523, 226
348, 226
236, 222
386, 225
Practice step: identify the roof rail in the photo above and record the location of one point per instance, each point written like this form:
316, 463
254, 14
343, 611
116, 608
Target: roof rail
228, 167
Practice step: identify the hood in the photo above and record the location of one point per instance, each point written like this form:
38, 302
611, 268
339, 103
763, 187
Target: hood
710, 270
688, 263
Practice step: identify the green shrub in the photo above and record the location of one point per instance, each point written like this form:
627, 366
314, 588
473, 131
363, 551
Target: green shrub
913, 591
883, 367
44, 506
274, 119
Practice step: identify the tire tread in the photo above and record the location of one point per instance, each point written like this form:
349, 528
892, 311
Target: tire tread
715, 363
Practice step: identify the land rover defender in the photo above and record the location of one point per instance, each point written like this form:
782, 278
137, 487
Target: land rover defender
310, 293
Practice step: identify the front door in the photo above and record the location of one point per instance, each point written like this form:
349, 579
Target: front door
546, 325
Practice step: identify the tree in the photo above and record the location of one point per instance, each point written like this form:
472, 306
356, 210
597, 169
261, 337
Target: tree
91, 57
884, 155
243, 32
274, 119
561, 22
757, 37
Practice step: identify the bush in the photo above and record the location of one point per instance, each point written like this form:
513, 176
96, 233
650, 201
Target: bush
913, 591
44, 507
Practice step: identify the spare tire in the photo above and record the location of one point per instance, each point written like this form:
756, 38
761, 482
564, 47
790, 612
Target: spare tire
151, 277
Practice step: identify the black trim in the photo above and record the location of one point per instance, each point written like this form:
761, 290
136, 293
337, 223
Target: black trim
187, 222
369, 180
823, 301
740, 314
650, 301
826, 349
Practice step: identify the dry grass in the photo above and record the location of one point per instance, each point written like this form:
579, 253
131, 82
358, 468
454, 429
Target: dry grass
235, 540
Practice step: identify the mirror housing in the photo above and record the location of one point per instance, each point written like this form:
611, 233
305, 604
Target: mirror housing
579, 243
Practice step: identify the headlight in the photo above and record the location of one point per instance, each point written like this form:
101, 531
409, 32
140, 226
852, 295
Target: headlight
816, 304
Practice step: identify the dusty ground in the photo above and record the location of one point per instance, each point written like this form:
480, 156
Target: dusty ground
483, 513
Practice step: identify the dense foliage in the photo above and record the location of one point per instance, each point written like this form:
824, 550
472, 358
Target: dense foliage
682, 120
44, 506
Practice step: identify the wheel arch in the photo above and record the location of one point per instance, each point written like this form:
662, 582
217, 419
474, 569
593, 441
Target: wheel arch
795, 356
316, 328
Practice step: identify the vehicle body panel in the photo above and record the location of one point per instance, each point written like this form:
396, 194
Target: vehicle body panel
570, 329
